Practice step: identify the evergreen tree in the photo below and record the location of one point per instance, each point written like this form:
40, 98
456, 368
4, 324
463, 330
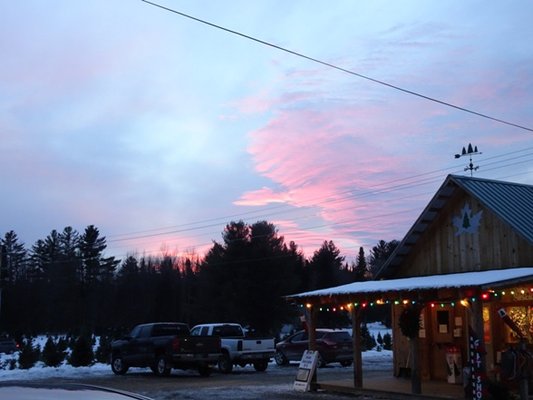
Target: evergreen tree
29, 355
14, 259
360, 266
245, 278
379, 339
368, 342
130, 267
39, 260
325, 265
380, 253
95, 267
52, 355
82, 352
387, 341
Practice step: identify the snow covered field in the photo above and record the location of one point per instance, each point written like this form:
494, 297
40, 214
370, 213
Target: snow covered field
373, 360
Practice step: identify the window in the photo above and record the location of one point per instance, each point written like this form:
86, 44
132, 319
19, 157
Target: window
144, 332
443, 321
196, 331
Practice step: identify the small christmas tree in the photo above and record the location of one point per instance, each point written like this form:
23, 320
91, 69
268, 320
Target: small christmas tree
82, 353
29, 354
52, 355
387, 341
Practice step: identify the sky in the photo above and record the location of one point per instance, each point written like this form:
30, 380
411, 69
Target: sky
160, 130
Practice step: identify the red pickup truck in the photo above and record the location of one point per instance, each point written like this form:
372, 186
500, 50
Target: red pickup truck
162, 346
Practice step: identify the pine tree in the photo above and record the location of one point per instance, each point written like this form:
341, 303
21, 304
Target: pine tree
95, 267
379, 339
325, 266
14, 259
29, 355
51, 355
82, 353
380, 253
387, 341
368, 342
360, 266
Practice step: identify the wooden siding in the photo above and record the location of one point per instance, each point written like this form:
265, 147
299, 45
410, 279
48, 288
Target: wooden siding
440, 251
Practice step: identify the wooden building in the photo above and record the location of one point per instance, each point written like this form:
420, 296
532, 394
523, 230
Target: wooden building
466, 262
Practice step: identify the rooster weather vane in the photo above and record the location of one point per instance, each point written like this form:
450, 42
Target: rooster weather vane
469, 152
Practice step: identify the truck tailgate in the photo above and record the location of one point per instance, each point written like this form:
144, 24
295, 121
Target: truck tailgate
199, 344
258, 345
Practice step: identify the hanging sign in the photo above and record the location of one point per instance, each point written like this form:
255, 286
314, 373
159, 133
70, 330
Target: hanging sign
306, 371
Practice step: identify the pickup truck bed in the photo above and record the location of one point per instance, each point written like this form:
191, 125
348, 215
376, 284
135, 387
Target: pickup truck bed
236, 347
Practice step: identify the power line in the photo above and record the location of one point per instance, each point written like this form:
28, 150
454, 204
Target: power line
417, 183
373, 190
327, 64
386, 187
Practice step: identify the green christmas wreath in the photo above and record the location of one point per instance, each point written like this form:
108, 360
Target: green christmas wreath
410, 321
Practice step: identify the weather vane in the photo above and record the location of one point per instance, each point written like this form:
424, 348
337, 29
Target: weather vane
469, 152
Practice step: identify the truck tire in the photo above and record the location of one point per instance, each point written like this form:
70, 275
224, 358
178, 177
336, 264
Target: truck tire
224, 364
280, 358
118, 366
261, 366
161, 366
321, 362
204, 370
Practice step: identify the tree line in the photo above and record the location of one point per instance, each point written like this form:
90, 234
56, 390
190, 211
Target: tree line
66, 283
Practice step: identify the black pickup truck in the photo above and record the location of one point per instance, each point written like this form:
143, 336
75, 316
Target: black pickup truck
162, 346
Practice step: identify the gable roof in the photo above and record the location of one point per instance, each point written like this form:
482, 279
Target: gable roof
512, 202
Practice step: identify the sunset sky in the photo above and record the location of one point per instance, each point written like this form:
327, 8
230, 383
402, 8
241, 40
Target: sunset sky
160, 130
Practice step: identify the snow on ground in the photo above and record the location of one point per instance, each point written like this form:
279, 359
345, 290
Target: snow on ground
373, 360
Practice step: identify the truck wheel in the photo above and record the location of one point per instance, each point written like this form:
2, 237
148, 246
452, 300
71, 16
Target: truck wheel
204, 370
161, 366
321, 362
224, 364
261, 365
280, 358
118, 365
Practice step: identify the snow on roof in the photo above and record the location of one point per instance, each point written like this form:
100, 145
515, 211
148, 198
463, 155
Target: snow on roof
465, 279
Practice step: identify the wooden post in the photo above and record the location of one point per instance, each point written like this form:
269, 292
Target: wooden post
356, 342
416, 381
311, 331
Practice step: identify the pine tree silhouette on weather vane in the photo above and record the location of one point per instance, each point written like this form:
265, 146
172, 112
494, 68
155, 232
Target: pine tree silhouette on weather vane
469, 152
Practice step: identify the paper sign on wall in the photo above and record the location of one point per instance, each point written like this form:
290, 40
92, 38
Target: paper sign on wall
306, 371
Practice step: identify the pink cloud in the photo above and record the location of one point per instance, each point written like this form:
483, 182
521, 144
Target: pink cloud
261, 197
326, 150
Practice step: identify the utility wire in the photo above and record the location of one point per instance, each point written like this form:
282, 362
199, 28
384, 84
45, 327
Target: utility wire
289, 232
315, 60
372, 190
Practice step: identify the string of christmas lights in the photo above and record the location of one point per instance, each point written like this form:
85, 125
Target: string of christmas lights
517, 294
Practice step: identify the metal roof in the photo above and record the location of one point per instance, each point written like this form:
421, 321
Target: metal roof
512, 202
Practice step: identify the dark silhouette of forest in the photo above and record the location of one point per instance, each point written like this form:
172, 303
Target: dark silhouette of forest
66, 284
